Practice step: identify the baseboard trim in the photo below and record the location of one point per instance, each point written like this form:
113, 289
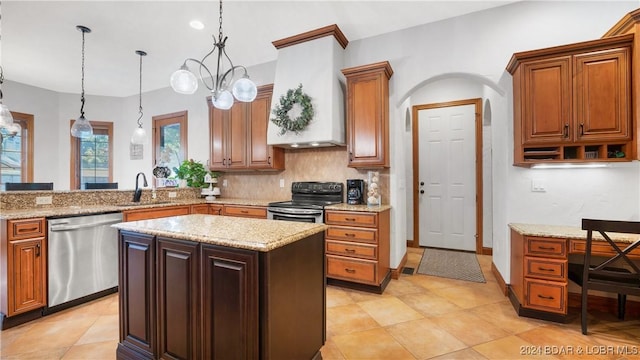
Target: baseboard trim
604, 304
395, 273
487, 251
501, 283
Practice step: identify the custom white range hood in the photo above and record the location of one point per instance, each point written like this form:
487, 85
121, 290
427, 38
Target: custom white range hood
313, 59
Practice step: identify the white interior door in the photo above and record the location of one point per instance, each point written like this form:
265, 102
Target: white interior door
447, 175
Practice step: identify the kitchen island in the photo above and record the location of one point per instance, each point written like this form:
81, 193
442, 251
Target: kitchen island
215, 287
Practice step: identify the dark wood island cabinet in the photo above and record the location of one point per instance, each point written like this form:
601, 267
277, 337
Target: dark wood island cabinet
215, 287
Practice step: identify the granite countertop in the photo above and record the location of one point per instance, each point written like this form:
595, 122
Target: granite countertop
363, 208
244, 233
567, 232
53, 211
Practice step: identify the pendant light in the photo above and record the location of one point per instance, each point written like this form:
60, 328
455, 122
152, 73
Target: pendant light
81, 127
139, 135
6, 119
184, 81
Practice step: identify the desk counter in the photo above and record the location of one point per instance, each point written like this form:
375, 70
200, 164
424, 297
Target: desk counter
567, 232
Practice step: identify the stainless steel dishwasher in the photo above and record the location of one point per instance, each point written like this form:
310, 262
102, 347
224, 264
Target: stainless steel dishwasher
82, 257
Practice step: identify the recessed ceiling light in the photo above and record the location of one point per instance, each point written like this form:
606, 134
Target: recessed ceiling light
196, 24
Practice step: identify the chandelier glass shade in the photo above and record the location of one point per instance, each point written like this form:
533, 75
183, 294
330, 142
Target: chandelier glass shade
139, 134
6, 119
223, 87
82, 128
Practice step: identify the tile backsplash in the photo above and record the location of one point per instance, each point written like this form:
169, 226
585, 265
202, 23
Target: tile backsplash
321, 164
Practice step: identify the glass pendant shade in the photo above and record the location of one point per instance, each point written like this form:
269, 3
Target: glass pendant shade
223, 101
139, 136
184, 81
245, 90
14, 128
82, 128
6, 118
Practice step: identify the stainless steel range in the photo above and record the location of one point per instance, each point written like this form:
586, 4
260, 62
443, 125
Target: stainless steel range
308, 200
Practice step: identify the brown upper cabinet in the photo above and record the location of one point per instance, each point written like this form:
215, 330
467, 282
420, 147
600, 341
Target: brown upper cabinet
572, 103
368, 115
238, 136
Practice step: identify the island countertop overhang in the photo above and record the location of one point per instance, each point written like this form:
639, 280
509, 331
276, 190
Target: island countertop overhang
243, 233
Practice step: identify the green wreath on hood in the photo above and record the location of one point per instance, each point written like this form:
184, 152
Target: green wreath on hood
281, 111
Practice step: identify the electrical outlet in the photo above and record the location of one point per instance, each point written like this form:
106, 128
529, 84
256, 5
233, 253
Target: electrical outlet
281, 183
172, 194
225, 183
538, 185
44, 200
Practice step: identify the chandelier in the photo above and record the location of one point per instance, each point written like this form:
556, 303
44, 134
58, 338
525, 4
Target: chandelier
243, 89
82, 127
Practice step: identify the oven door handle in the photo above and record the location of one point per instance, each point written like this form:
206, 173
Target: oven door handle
299, 212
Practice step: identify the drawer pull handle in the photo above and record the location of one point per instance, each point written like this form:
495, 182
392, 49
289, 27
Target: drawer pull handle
350, 219
546, 248
350, 234
544, 269
244, 211
350, 271
29, 229
37, 249
546, 297
351, 251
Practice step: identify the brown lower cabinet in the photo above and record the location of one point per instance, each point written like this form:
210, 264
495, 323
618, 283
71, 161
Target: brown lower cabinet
187, 300
23, 268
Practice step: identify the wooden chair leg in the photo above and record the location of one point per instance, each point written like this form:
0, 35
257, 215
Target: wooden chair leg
622, 302
584, 310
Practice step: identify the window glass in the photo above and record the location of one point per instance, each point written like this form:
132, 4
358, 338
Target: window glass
170, 140
92, 158
16, 151
170, 152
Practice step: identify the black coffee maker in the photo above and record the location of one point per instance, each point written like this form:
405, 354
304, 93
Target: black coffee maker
355, 191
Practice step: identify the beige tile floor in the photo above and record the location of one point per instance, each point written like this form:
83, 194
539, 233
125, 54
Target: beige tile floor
417, 317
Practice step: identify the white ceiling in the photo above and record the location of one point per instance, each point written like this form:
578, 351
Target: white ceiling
40, 45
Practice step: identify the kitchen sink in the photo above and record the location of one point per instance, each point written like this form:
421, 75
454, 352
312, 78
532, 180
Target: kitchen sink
143, 203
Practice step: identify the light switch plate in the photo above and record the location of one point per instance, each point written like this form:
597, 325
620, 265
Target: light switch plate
281, 183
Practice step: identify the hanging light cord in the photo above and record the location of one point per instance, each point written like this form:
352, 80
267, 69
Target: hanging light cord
140, 95
82, 93
1, 82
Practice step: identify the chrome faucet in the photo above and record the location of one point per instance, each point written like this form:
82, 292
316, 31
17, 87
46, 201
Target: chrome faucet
138, 192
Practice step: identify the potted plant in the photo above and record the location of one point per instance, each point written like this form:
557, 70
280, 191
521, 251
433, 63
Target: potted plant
191, 171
